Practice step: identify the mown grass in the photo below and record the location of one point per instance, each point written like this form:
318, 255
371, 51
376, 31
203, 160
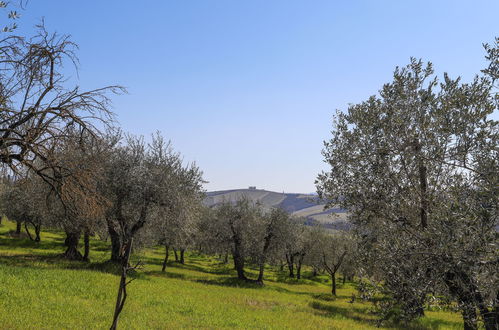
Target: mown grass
39, 290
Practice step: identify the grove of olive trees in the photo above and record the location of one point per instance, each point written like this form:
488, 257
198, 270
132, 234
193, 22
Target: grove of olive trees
415, 166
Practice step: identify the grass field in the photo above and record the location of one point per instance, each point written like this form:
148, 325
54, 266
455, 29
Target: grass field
39, 290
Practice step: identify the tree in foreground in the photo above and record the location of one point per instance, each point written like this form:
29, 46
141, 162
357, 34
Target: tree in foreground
38, 109
417, 167
140, 179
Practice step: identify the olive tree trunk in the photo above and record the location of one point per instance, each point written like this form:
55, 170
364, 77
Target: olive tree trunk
116, 242
333, 283
290, 260
71, 242
86, 243
18, 228
182, 259
238, 262
122, 294
165, 260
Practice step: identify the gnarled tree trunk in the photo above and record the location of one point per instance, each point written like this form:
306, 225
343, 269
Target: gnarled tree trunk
462, 287
116, 243
238, 261
263, 258
71, 242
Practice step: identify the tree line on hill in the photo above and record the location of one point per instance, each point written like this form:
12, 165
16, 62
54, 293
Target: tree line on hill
416, 166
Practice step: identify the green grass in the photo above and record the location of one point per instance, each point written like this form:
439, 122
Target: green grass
39, 290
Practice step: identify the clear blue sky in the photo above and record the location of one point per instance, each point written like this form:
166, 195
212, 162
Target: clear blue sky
247, 88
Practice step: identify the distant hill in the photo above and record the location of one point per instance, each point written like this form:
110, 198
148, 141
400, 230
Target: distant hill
303, 205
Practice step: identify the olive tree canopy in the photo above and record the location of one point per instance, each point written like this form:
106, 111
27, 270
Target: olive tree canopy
417, 168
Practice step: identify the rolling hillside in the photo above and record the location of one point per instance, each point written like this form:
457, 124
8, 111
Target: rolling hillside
303, 205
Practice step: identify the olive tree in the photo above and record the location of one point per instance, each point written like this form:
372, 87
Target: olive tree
297, 243
233, 226
24, 201
335, 249
416, 166
175, 222
139, 178
271, 232
77, 205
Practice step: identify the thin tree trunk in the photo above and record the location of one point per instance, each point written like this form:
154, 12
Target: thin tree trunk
261, 269
18, 228
176, 255
423, 186
122, 294
38, 228
27, 230
333, 284
226, 258
298, 265
182, 260
86, 241
290, 261
167, 252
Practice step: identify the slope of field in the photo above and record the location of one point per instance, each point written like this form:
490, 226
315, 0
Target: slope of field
39, 290
302, 205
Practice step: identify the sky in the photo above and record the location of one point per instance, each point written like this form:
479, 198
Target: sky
247, 89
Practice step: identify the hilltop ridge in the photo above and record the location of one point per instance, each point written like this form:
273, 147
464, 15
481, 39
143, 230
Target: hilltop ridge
298, 204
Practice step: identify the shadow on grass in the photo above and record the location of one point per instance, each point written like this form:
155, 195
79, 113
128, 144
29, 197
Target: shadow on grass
284, 290
231, 282
283, 277
24, 242
197, 266
324, 297
348, 313
57, 261
166, 274
427, 323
